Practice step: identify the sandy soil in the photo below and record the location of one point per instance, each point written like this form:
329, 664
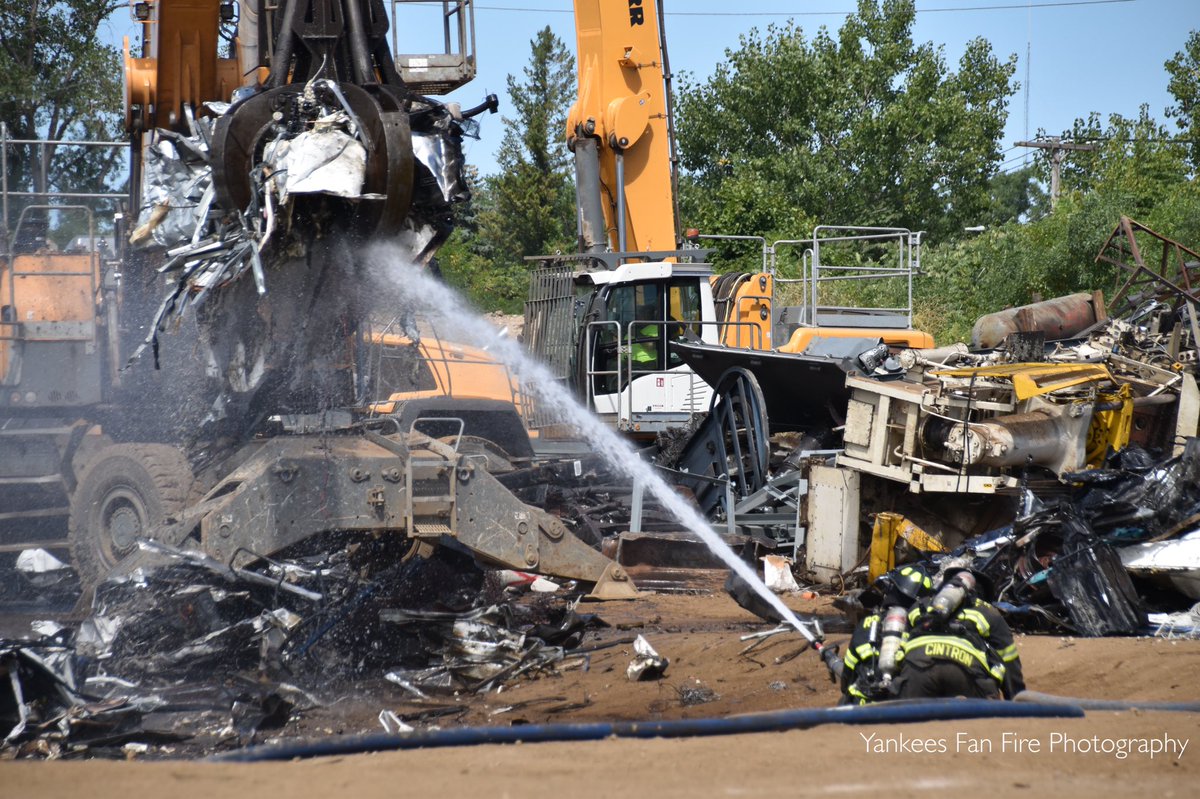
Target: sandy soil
700, 634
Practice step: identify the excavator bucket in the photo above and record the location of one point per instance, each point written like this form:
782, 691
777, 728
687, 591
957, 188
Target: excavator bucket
297, 487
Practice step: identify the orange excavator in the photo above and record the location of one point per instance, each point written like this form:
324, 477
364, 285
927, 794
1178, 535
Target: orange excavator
209, 386
638, 323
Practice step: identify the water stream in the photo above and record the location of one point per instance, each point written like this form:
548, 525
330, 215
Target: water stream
425, 297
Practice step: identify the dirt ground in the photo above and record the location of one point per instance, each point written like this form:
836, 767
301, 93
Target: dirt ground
710, 674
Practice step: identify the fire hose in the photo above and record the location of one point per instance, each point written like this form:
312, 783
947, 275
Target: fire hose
897, 712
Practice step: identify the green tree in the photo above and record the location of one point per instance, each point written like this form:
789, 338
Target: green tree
1184, 85
59, 81
532, 199
1015, 196
865, 128
1137, 170
468, 262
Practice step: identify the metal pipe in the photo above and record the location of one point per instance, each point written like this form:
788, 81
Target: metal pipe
4, 180
72, 194
670, 103
281, 59
72, 143
620, 201
593, 232
636, 504
360, 60
247, 39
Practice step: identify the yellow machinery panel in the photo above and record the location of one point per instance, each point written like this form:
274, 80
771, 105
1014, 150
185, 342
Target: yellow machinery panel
52, 287
893, 337
182, 66
748, 313
622, 102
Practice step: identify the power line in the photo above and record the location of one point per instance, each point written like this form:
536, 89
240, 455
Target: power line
1018, 167
1003, 7
1013, 160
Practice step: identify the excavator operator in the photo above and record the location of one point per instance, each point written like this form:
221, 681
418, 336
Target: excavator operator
646, 340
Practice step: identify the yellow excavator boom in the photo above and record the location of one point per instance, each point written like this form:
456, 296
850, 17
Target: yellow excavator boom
618, 128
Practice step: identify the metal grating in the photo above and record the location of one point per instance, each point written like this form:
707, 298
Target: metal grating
549, 332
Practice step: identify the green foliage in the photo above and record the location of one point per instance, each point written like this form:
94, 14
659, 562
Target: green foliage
865, 128
59, 81
1184, 85
532, 208
1137, 172
1014, 196
529, 207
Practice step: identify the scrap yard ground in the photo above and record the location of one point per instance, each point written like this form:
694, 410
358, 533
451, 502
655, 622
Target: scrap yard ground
710, 676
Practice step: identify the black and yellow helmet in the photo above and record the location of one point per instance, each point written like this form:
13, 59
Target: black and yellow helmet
906, 584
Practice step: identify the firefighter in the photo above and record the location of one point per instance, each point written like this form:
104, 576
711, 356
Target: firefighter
875, 649
959, 645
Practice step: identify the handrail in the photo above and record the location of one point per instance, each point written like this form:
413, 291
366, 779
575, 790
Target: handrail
908, 256
42, 144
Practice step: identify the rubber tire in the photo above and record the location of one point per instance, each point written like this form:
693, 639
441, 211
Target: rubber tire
145, 483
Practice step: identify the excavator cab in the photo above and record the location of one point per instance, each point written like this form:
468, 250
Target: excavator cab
625, 360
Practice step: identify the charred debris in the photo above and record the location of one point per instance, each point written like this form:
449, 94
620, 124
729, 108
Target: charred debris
184, 655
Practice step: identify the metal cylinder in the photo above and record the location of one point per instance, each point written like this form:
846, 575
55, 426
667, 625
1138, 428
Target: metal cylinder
247, 41
281, 58
1059, 318
593, 231
1024, 438
895, 622
620, 201
951, 595
360, 59
937, 356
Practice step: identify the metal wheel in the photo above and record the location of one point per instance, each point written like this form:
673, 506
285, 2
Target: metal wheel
733, 443
127, 491
741, 414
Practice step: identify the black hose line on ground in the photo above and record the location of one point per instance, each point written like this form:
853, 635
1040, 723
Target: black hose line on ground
898, 712
1105, 704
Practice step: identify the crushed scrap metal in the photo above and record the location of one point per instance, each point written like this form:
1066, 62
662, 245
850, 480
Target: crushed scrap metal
189, 654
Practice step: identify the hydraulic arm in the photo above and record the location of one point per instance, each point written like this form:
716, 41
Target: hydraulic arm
619, 128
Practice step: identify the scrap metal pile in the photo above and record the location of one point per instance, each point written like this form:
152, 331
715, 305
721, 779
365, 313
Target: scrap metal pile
191, 656
254, 210
315, 145
1057, 453
1096, 561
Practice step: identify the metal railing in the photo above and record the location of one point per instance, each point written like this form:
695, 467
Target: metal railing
550, 319
818, 277
42, 163
438, 73
625, 372
908, 263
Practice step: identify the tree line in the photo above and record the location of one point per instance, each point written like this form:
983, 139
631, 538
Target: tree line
862, 125
867, 126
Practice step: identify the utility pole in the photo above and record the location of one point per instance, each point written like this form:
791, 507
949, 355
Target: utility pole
1058, 149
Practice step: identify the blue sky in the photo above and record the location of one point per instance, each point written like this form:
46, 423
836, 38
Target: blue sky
1086, 56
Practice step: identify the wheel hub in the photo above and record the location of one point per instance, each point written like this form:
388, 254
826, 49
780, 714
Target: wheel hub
123, 520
